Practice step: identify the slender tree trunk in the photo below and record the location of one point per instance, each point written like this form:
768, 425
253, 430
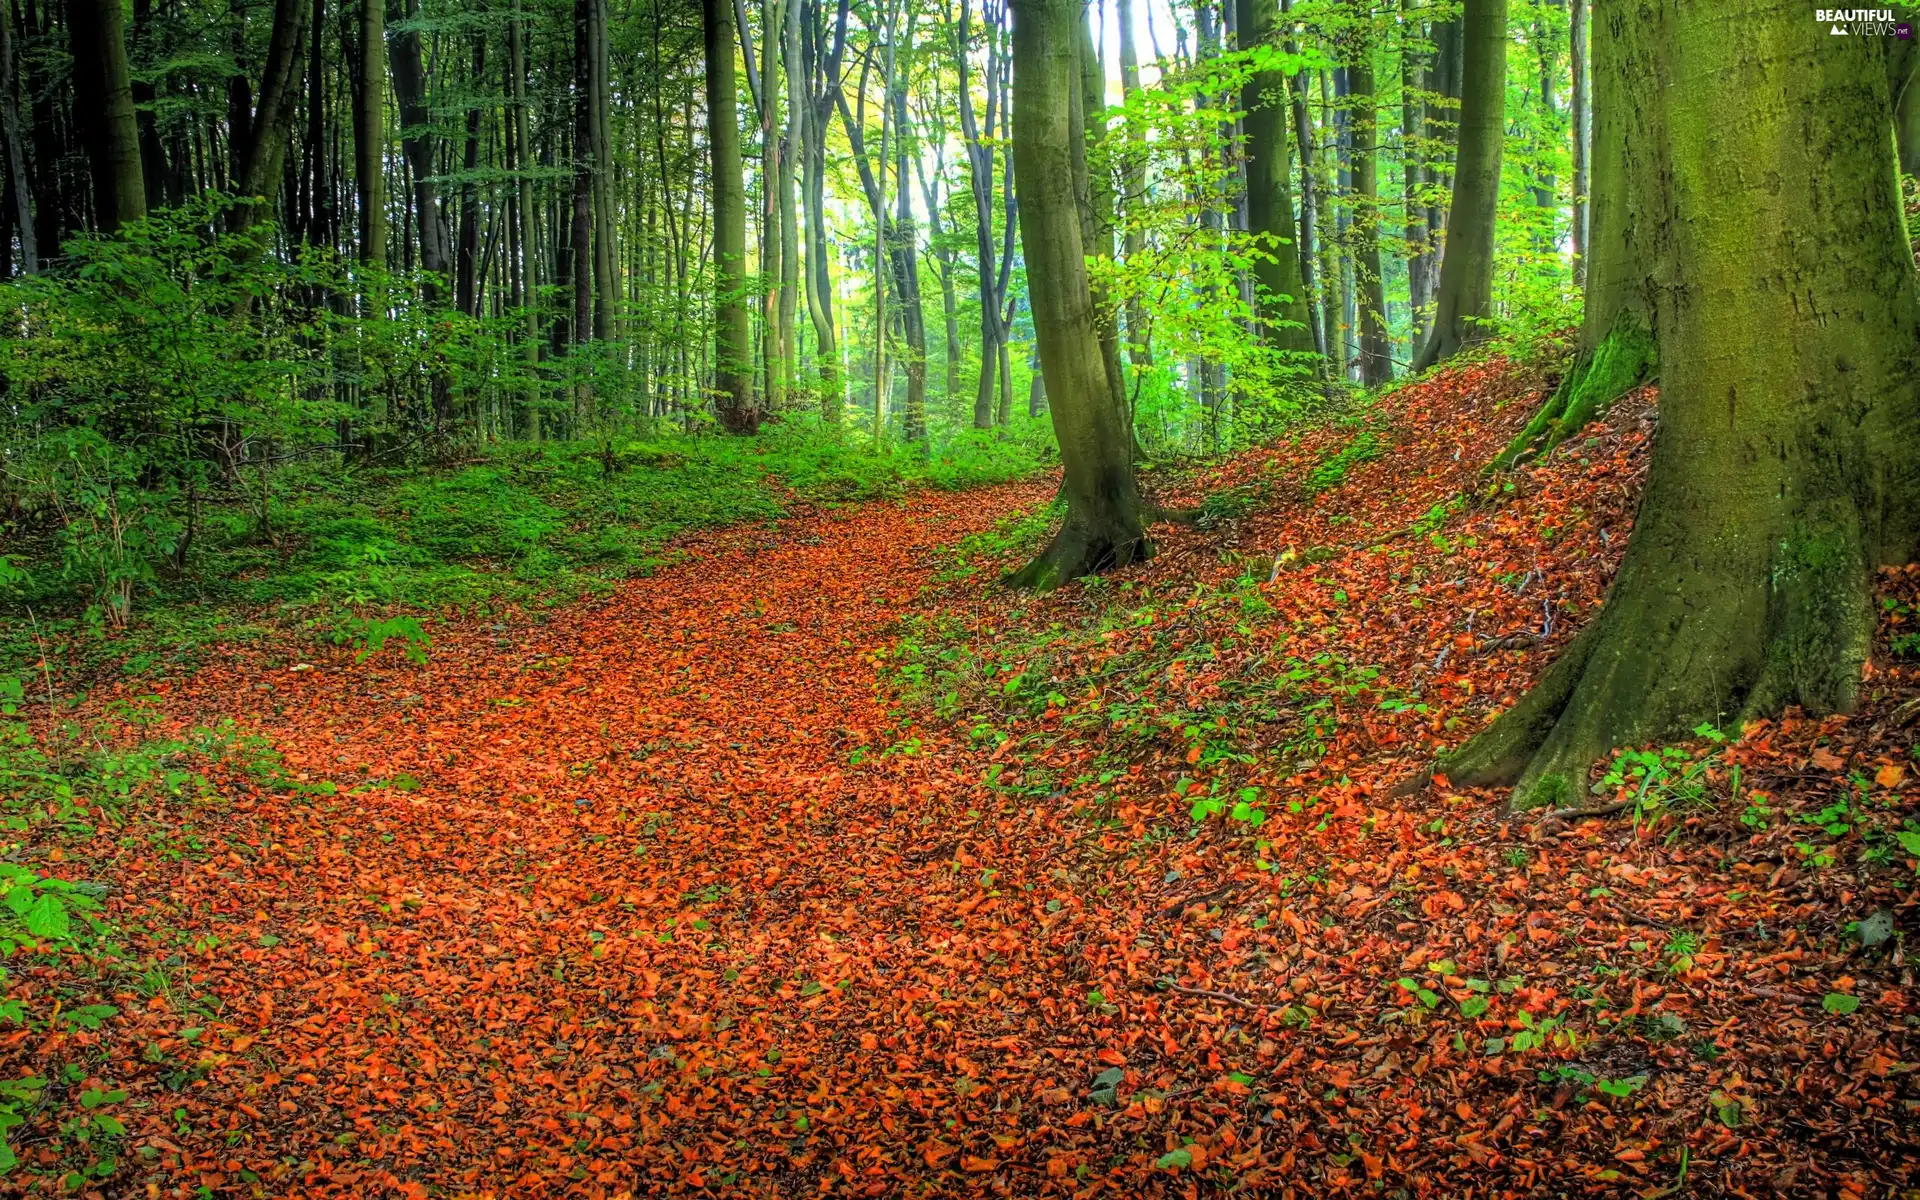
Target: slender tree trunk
524, 212
260, 132
1376, 348
418, 144
1133, 199
733, 339
789, 300
606, 229
1282, 291
1581, 134
16, 152
103, 109
370, 131
1412, 154
466, 288
1105, 525
1465, 298
1787, 463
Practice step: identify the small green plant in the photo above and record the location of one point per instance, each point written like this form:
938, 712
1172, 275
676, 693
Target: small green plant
1671, 778
1332, 471
1681, 949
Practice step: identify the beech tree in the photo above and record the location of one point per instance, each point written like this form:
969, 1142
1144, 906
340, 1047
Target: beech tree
1463, 300
1787, 462
1105, 525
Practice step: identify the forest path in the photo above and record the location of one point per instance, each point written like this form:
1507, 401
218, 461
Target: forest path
606, 896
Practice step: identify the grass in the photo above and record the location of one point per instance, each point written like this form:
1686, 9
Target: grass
361, 556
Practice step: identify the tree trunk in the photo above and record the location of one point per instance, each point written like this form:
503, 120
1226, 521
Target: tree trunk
1465, 298
466, 275
789, 299
104, 112
1578, 53
260, 131
1094, 185
1282, 292
1787, 463
1363, 120
1615, 352
418, 143
16, 152
1412, 156
1133, 198
732, 334
1105, 525
370, 131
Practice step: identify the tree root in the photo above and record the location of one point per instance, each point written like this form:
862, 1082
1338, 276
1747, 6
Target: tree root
1077, 551
1621, 362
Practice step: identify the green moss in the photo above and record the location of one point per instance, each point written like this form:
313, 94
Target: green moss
1622, 361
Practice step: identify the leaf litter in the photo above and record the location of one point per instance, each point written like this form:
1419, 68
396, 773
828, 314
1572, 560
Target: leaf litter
817, 864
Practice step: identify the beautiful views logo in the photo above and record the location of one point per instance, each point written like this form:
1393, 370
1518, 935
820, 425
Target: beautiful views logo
1862, 22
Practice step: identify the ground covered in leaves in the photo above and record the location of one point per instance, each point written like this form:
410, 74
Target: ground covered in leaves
819, 865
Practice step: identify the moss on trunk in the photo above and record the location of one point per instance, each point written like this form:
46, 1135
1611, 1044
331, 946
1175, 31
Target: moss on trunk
1787, 464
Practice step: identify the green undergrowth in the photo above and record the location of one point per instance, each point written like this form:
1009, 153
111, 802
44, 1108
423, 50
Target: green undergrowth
367, 558
61, 962
1197, 681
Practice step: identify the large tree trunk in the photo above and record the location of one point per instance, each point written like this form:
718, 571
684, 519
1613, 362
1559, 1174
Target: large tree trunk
1105, 525
1787, 464
732, 333
1094, 185
103, 109
370, 131
1282, 291
1465, 297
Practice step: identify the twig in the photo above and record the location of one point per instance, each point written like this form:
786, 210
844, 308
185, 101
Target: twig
1229, 997
1576, 814
1634, 918
1200, 898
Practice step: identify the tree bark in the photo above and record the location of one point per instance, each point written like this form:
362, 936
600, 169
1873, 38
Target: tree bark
1133, 197
1578, 43
103, 109
1787, 463
1105, 525
418, 144
16, 151
1465, 298
1615, 351
370, 131
1282, 292
260, 136
732, 336
466, 275
1363, 122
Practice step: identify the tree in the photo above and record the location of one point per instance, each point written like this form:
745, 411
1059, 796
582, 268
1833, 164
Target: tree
105, 112
1787, 462
732, 335
1464, 299
370, 131
1615, 351
1282, 288
1363, 122
1105, 525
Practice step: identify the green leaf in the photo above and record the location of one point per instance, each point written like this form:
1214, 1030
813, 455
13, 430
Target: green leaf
1173, 1160
48, 918
1474, 1006
1839, 1003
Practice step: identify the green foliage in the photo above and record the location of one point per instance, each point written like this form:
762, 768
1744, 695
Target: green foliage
1332, 471
1671, 778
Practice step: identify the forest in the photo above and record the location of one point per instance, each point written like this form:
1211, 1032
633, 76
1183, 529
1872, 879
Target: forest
611, 598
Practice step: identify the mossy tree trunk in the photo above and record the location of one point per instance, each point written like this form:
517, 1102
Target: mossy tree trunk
1464, 298
732, 336
1105, 525
1787, 464
104, 112
1616, 351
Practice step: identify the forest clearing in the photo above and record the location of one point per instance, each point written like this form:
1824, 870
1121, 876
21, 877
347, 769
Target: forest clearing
611, 598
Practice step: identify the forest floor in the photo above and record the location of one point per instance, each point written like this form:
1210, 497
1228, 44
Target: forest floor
817, 864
